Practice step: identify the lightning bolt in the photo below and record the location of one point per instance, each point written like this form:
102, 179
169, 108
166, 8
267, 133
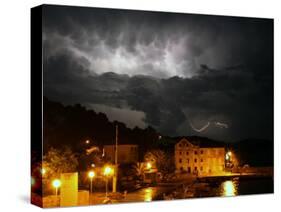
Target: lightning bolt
201, 129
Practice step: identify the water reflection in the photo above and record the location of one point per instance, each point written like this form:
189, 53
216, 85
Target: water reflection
148, 195
229, 188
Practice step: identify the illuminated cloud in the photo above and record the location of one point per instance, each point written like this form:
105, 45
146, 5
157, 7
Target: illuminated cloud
163, 70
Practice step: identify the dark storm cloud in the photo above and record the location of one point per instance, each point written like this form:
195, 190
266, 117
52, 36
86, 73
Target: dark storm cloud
164, 70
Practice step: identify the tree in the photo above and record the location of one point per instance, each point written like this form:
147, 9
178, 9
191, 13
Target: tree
139, 169
161, 160
57, 161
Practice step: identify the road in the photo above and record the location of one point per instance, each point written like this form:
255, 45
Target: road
141, 195
146, 194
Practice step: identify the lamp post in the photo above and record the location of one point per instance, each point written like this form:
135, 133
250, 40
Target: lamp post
115, 175
56, 184
107, 172
91, 175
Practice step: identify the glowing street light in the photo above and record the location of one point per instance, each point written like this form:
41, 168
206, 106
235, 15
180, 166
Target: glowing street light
43, 171
56, 184
91, 175
148, 165
107, 172
87, 141
228, 155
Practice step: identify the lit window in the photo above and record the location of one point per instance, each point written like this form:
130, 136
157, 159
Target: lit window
187, 153
180, 153
195, 160
180, 160
195, 152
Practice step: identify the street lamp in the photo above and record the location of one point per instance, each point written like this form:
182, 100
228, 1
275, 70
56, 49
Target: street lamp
228, 155
43, 171
148, 165
56, 184
91, 175
107, 172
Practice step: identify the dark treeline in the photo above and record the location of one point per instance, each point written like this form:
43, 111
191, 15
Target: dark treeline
255, 152
72, 125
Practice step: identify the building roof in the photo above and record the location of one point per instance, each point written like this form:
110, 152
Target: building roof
122, 145
203, 142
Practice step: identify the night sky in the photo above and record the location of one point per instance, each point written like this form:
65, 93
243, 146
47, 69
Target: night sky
182, 74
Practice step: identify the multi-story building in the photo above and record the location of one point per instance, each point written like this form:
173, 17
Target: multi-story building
193, 159
127, 153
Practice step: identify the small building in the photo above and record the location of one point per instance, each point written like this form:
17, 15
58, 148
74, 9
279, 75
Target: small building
127, 153
194, 159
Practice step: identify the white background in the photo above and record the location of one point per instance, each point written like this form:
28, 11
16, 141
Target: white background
15, 102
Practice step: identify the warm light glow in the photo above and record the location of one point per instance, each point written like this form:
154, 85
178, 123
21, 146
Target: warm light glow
148, 195
56, 183
87, 141
107, 171
229, 188
91, 174
43, 171
148, 165
226, 157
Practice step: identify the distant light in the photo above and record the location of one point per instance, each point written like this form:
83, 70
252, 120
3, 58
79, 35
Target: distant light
43, 171
87, 141
56, 183
103, 153
108, 170
91, 174
159, 137
227, 157
93, 165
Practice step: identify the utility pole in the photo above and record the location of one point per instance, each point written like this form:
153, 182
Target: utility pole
114, 186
